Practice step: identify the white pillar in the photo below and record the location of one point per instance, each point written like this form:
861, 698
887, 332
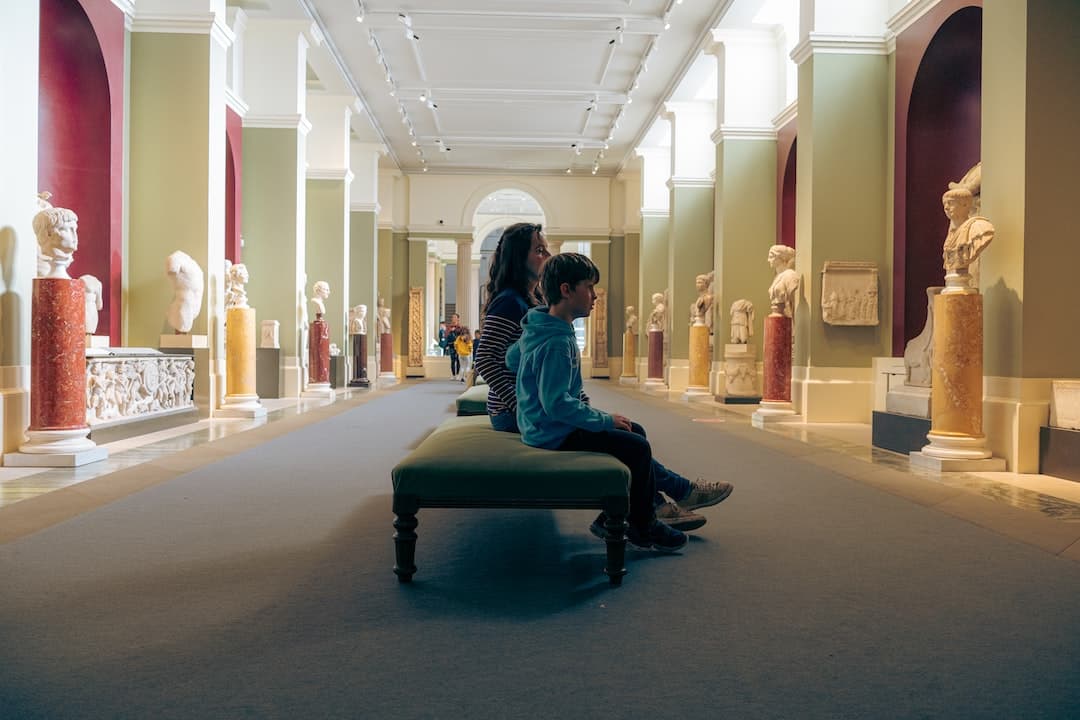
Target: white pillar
431, 303
18, 188
464, 268
474, 293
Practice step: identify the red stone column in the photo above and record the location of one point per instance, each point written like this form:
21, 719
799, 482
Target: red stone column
386, 354
656, 355
58, 356
777, 370
319, 351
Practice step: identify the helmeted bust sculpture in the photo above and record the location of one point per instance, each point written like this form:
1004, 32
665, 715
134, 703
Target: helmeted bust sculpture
968, 236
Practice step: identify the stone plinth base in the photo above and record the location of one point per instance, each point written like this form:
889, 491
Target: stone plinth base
914, 401
183, 341
97, 341
387, 378
318, 390
654, 386
696, 395
899, 433
922, 460
772, 412
76, 459
1059, 452
737, 399
268, 372
740, 370
241, 406
56, 448
628, 380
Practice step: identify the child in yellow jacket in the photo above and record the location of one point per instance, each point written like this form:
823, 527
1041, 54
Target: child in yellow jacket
463, 347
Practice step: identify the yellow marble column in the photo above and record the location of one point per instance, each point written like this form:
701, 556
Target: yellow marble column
629, 359
697, 387
241, 400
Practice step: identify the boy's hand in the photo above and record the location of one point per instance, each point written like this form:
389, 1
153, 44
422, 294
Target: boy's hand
621, 422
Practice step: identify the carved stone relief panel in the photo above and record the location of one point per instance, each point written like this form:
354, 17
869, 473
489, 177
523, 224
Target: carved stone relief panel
849, 293
416, 327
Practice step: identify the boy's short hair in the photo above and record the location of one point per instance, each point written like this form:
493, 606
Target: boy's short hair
569, 268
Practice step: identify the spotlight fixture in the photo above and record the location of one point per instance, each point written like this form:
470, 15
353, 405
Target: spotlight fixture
423, 97
413, 143
567, 171
359, 11
425, 168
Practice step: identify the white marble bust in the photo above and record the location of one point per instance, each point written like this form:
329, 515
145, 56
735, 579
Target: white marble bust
968, 235
701, 308
657, 317
187, 280
57, 232
631, 319
358, 320
742, 321
94, 303
383, 317
236, 277
786, 283
321, 291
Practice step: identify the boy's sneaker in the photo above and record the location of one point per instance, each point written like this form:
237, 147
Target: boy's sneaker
705, 494
656, 536
675, 517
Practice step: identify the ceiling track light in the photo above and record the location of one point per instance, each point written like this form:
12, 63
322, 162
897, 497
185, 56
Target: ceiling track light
423, 96
359, 11
568, 171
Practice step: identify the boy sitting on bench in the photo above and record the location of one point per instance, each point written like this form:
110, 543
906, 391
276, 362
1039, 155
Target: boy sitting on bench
550, 411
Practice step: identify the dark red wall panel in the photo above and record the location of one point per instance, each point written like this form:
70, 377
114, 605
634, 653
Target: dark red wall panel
785, 183
234, 163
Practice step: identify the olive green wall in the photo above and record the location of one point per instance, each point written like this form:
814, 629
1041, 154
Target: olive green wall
417, 278
745, 209
690, 253
398, 296
273, 253
1030, 112
169, 180
841, 199
327, 254
364, 262
654, 267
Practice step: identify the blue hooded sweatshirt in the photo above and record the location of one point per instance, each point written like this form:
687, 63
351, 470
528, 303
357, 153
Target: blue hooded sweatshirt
548, 367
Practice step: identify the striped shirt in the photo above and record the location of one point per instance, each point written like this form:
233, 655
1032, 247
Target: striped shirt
501, 329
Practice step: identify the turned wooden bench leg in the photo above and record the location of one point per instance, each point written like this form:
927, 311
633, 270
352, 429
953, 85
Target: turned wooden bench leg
615, 510
405, 523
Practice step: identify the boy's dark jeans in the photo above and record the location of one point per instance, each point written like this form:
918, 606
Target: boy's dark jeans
455, 363
632, 450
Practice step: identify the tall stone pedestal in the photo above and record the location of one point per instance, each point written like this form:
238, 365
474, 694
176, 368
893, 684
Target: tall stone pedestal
629, 360
241, 395
386, 359
776, 386
318, 360
654, 379
697, 387
740, 374
956, 438
58, 432
359, 362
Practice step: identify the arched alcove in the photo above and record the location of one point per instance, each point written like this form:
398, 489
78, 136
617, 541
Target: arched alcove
943, 128
75, 136
232, 235
497, 211
787, 199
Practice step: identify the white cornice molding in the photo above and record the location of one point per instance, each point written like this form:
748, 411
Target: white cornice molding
441, 229
743, 132
330, 174
742, 36
583, 232
830, 44
386, 225
687, 182
786, 115
372, 207
194, 24
127, 7
655, 213
278, 122
909, 15
233, 100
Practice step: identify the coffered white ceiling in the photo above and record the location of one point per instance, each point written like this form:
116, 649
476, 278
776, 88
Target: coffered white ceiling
509, 86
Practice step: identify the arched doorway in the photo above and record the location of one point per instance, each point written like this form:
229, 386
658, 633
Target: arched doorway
494, 214
787, 199
75, 146
943, 128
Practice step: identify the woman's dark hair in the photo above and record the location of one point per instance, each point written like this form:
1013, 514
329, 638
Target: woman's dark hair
510, 263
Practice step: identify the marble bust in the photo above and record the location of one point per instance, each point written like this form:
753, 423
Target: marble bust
187, 280
320, 292
358, 320
701, 308
383, 317
742, 322
968, 235
235, 278
630, 319
786, 283
657, 317
57, 233
94, 303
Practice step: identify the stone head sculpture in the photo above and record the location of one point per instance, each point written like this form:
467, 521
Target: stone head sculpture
320, 292
56, 230
786, 283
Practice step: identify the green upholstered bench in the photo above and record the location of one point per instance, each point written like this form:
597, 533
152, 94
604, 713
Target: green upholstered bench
473, 401
465, 463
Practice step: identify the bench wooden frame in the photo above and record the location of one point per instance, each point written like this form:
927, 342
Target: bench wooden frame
405, 522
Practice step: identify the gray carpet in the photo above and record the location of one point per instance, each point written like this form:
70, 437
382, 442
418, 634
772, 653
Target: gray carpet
261, 587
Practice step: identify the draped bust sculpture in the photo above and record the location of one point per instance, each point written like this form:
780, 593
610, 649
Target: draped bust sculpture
742, 321
968, 235
383, 317
187, 281
358, 320
786, 283
320, 292
630, 319
236, 277
701, 308
657, 317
